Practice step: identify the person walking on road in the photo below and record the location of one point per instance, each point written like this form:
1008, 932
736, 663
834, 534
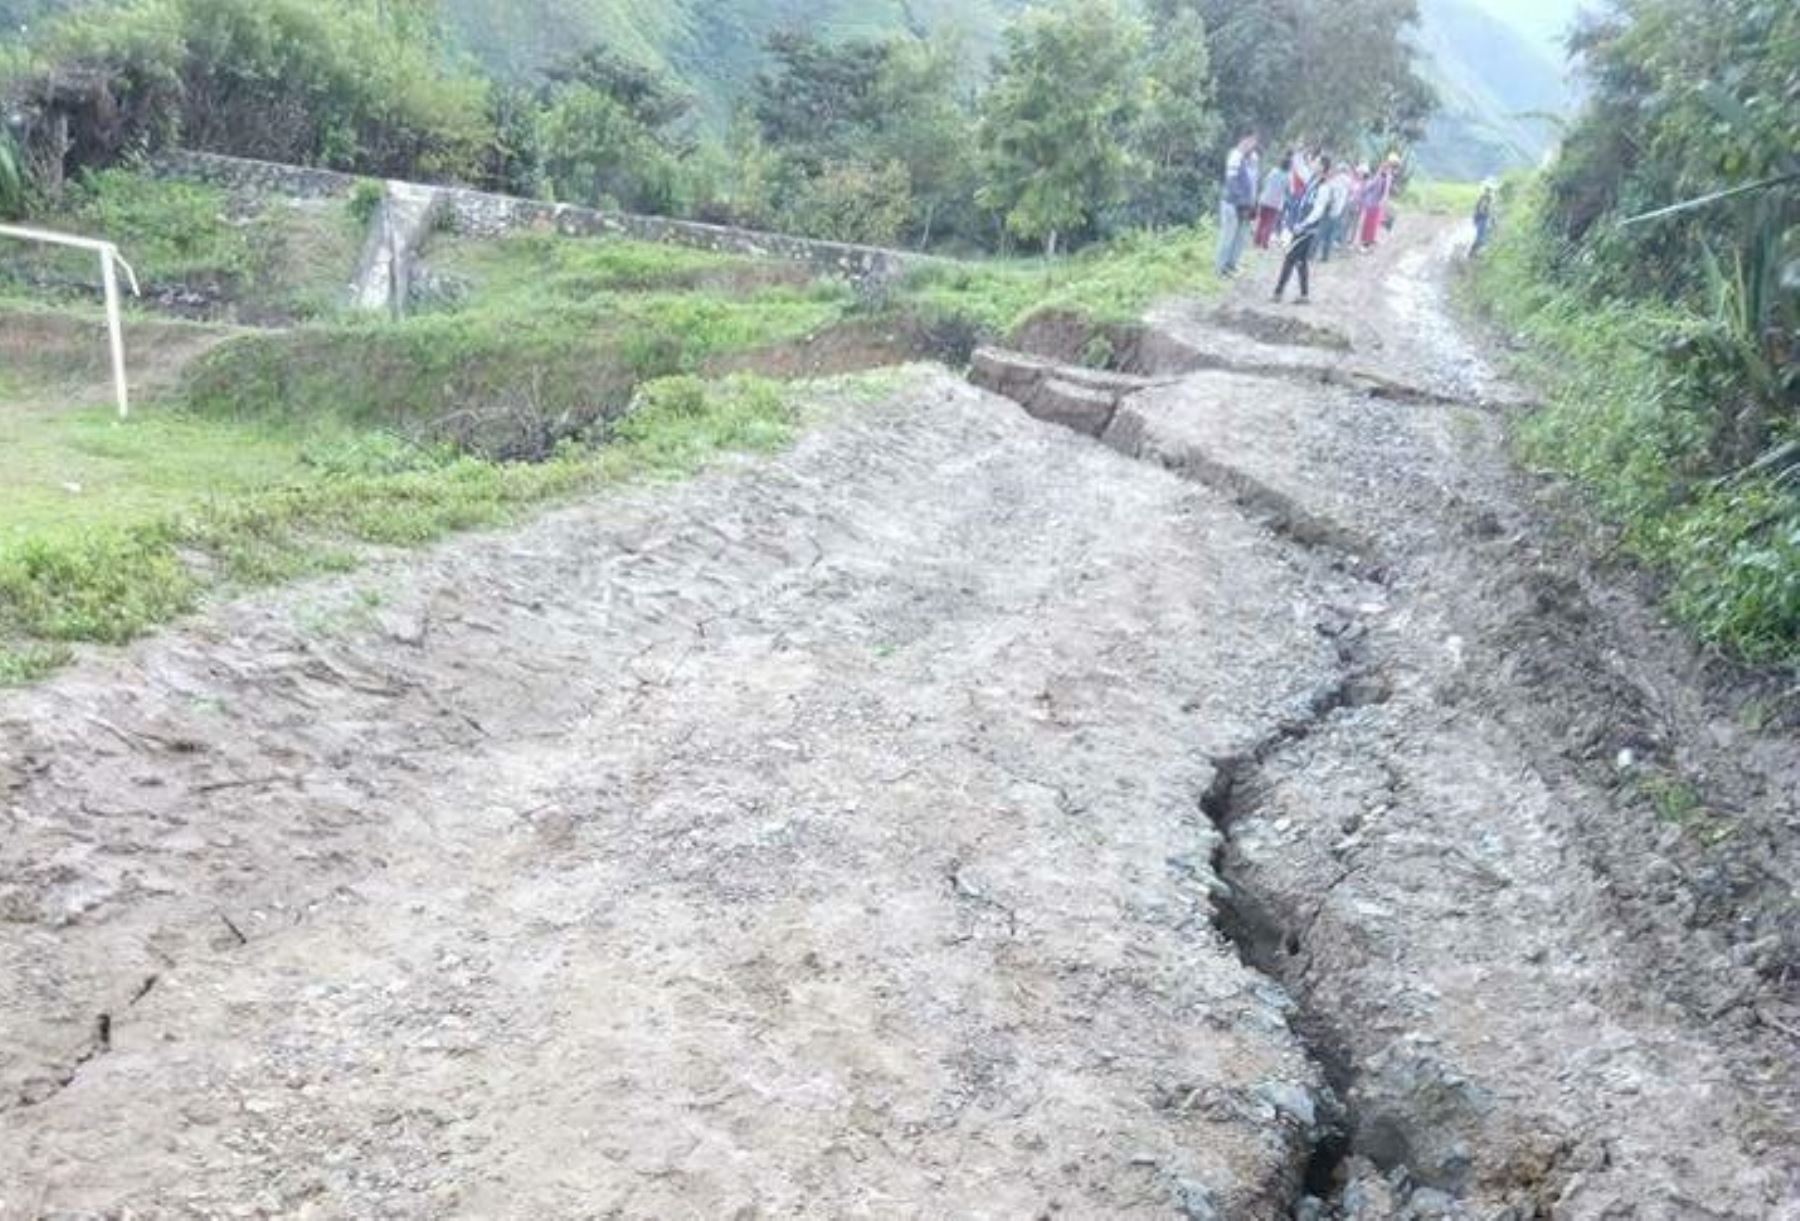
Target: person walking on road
1271, 202
1313, 212
1237, 203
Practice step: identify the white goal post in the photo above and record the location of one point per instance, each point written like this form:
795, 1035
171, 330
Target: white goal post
110, 262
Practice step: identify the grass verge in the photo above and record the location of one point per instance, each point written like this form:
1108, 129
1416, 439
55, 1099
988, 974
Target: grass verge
122, 571
1634, 434
1109, 283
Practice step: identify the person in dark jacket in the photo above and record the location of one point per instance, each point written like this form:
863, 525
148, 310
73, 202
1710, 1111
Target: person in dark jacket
1314, 213
1237, 203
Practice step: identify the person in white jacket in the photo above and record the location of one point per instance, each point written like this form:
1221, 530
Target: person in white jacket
1338, 188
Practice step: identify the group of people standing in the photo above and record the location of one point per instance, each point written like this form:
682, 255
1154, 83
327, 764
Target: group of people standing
1313, 202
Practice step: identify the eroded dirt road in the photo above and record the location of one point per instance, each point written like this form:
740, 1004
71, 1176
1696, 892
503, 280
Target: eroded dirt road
953, 817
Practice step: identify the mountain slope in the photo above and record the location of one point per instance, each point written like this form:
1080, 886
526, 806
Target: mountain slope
1545, 23
1487, 71
713, 46
1495, 85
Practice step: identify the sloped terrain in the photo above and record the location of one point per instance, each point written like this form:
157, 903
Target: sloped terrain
1237, 811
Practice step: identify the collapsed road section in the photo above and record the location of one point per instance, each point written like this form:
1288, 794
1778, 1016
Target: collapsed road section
1419, 858
1194, 806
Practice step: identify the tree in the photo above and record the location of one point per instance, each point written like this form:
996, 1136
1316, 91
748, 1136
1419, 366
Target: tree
1057, 121
923, 124
1358, 77
1256, 59
1179, 127
840, 119
818, 101
1330, 70
608, 130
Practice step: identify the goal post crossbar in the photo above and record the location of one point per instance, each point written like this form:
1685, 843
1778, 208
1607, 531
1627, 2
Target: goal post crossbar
110, 263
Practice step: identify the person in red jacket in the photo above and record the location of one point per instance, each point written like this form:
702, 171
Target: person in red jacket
1375, 202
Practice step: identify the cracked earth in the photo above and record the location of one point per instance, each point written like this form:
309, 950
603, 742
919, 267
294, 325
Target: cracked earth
1212, 799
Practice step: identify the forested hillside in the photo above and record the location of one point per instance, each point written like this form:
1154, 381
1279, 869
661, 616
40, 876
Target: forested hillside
1069, 121
1488, 72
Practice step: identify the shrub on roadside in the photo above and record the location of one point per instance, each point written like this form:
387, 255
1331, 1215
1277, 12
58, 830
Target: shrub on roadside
1642, 418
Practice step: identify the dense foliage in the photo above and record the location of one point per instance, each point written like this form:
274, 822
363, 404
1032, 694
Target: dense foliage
1090, 118
350, 83
1658, 268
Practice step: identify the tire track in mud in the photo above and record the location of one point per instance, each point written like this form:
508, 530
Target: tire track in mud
820, 837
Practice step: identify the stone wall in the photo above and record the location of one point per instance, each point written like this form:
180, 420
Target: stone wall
258, 177
484, 214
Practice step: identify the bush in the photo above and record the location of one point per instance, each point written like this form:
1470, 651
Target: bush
351, 84
107, 588
1640, 413
173, 231
853, 203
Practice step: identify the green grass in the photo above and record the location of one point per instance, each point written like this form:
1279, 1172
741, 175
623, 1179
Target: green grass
1113, 282
1634, 436
526, 271
263, 503
1436, 198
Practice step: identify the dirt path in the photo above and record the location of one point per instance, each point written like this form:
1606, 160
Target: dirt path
1531, 996
920, 824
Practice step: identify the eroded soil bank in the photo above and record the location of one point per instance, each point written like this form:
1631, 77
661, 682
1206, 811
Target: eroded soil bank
1231, 813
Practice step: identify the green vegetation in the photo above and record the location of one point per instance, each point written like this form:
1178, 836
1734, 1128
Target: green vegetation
1627, 419
1100, 117
1670, 344
1435, 198
1114, 282
12, 178
264, 500
271, 261
352, 84
1066, 95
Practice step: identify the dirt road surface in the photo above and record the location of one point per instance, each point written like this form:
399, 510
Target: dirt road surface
956, 816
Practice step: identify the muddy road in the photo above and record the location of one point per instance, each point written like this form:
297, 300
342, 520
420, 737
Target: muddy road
1230, 814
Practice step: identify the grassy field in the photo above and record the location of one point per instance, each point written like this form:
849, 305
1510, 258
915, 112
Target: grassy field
1435, 198
121, 526
537, 367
